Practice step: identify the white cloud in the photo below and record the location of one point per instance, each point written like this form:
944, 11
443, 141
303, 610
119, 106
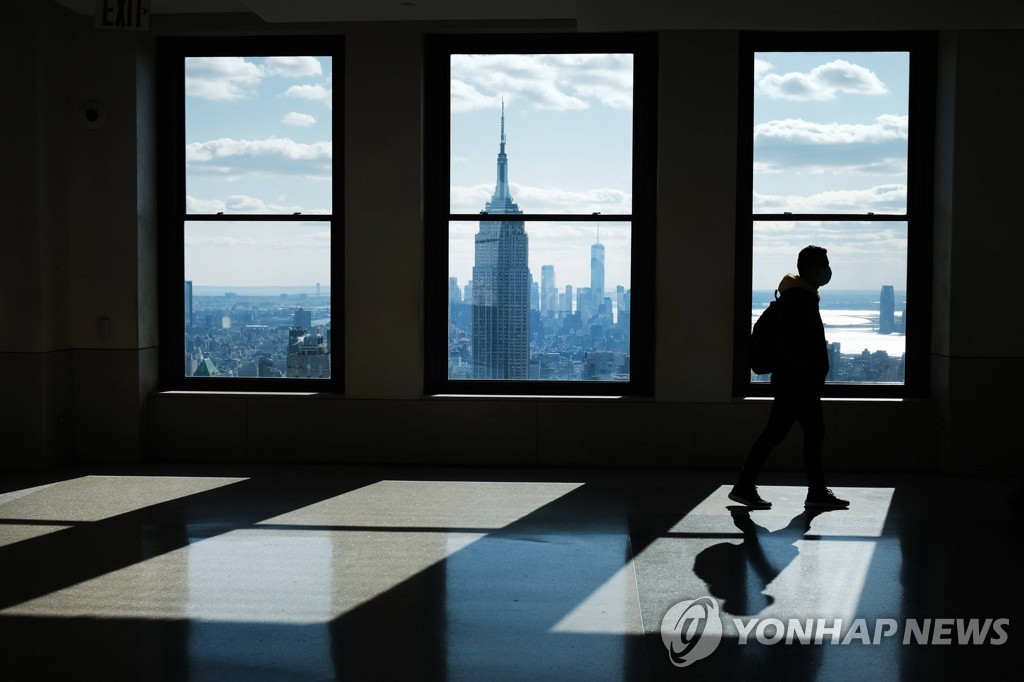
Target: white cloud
294, 67
879, 147
221, 78
244, 204
885, 128
294, 118
275, 146
464, 97
761, 68
821, 83
606, 200
314, 240
547, 81
229, 158
879, 199
316, 93
194, 205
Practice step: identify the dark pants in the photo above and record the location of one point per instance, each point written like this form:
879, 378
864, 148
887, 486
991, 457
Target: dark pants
786, 410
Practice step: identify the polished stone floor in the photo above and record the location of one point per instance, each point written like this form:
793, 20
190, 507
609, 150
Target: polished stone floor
321, 573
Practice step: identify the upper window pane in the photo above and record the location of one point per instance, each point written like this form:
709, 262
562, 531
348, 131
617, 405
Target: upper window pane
830, 132
258, 137
565, 120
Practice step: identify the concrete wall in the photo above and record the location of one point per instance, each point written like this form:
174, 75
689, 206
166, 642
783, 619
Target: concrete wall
978, 343
88, 252
80, 232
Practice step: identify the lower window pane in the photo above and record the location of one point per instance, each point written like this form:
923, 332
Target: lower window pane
258, 300
863, 307
539, 301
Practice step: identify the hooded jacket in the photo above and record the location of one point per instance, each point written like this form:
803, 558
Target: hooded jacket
803, 354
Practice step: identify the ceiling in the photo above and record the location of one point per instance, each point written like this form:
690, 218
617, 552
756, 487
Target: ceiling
622, 15
285, 11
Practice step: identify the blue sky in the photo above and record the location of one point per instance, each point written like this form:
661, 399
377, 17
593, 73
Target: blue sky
258, 140
568, 126
830, 136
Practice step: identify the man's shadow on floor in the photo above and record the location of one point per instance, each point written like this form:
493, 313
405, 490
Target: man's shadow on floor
739, 574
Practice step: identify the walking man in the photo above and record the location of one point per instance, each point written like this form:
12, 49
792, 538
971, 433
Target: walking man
799, 376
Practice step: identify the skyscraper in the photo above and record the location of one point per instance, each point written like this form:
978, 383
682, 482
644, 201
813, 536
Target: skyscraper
548, 293
303, 319
188, 303
887, 310
597, 270
501, 286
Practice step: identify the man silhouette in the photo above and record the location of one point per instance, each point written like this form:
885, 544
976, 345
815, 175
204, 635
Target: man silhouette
800, 370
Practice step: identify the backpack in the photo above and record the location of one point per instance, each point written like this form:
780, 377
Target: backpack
764, 339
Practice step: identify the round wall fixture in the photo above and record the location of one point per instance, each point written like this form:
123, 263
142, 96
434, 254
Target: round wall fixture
94, 115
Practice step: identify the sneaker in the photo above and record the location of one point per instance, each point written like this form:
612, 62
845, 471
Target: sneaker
824, 498
748, 495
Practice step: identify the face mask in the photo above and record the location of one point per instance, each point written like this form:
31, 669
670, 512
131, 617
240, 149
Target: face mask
824, 276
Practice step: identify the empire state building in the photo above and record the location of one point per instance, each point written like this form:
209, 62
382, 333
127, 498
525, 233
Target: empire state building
501, 286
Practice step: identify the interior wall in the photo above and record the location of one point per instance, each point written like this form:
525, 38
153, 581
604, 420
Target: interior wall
90, 254
982, 347
35, 361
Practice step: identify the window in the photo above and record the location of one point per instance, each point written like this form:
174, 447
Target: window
250, 205
835, 151
540, 214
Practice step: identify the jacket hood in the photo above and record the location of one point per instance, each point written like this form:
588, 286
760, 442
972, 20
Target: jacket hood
792, 281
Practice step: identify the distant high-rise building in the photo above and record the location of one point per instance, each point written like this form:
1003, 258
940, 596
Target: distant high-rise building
501, 286
303, 319
887, 310
568, 298
318, 289
548, 293
585, 303
620, 299
467, 292
454, 293
597, 271
534, 295
308, 354
188, 303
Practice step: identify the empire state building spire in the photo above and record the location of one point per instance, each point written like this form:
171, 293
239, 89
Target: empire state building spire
501, 201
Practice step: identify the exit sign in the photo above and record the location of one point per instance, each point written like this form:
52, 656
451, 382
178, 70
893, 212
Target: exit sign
124, 15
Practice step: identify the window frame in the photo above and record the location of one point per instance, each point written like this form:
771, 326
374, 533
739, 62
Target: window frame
921, 48
437, 208
172, 211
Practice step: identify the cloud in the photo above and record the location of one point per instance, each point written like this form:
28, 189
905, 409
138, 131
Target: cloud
471, 199
221, 78
864, 255
821, 83
798, 131
294, 118
293, 67
316, 93
244, 204
315, 240
561, 82
227, 156
274, 146
879, 199
879, 147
